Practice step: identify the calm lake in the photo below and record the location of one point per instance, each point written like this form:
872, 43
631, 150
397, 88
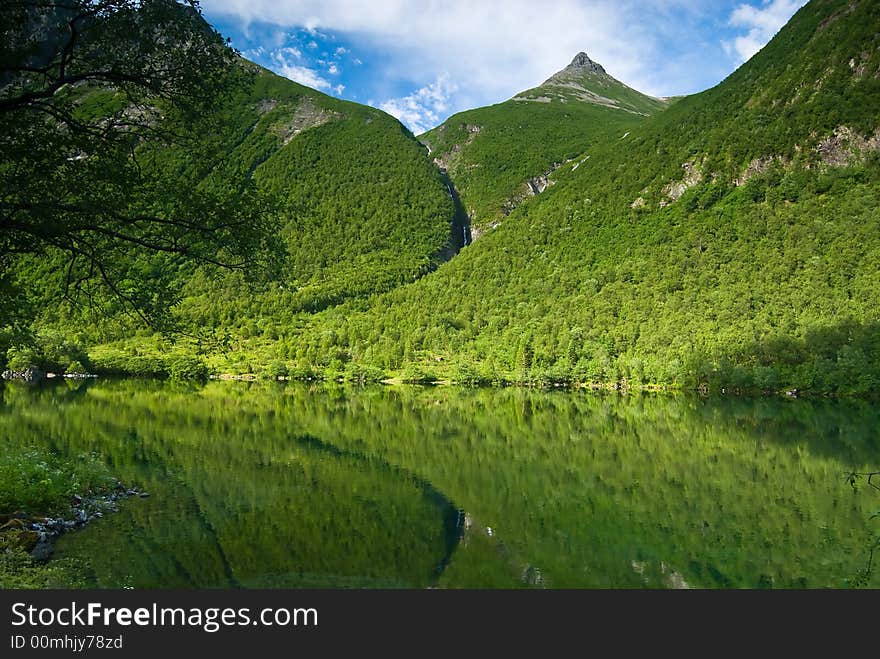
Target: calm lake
263, 485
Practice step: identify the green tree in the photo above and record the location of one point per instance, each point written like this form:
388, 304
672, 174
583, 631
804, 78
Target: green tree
525, 356
87, 89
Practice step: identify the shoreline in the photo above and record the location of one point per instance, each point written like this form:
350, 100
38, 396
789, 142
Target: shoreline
36, 534
621, 387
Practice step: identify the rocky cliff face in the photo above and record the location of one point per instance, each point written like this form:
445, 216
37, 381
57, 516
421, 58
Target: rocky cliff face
580, 65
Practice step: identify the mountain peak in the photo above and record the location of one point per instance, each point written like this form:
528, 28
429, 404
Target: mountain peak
585, 80
580, 69
583, 61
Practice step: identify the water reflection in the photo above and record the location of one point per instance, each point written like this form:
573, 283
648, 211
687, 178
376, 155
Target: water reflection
264, 485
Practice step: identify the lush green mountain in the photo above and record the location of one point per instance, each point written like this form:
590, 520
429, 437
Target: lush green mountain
363, 209
498, 156
732, 242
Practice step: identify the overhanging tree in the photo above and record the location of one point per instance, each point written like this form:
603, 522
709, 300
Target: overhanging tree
92, 93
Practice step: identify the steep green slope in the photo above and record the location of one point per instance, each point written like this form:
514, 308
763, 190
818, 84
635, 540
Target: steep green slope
355, 184
364, 210
733, 243
500, 155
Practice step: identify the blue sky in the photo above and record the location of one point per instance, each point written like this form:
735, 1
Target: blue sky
423, 60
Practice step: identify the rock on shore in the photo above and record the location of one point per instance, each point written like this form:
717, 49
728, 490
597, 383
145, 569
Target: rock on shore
36, 534
29, 374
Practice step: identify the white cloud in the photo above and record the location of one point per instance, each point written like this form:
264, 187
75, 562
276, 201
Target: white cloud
341, 51
333, 70
288, 51
282, 65
425, 107
761, 24
304, 76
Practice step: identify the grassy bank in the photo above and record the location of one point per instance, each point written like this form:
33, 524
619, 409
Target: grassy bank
36, 484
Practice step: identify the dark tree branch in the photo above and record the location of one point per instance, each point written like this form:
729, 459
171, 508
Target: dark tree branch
86, 182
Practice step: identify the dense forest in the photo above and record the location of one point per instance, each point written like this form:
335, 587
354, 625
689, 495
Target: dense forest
727, 242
